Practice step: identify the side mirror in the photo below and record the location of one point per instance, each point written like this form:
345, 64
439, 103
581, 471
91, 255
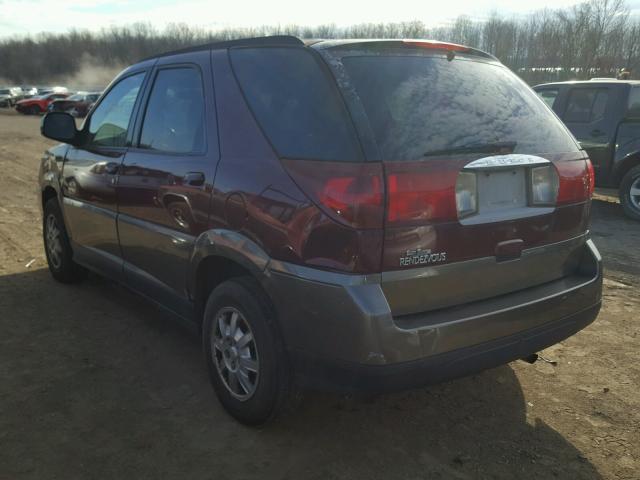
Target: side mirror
59, 126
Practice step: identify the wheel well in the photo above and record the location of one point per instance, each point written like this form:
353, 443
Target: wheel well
626, 165
212, 271
47, 194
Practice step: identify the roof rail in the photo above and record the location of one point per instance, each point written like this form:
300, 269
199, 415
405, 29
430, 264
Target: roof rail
273, 40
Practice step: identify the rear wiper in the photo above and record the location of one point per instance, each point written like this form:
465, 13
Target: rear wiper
497, 147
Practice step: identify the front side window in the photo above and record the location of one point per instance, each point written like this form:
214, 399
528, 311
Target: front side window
295, 102
109, 123
174, 119
586, 105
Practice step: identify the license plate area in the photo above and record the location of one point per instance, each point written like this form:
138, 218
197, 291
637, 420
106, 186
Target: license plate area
501, 189
503, 194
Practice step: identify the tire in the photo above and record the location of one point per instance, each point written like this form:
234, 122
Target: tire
631, 184
34, 110
57, 247
264, 392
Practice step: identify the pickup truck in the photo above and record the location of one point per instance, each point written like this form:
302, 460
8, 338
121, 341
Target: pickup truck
604, 116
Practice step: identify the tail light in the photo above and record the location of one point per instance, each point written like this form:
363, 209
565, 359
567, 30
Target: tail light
466, 194
417, 193
576, 181
350, 193
592, 178
544, 185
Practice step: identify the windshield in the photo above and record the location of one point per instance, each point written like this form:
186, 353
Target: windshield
419, 106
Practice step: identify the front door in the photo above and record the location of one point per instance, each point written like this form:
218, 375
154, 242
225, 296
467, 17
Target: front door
165, 184
90, 174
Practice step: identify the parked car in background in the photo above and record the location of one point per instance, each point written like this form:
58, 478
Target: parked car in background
77, 105
9, 96
352, 215
29, 91
604, 116
47, 90
38, 104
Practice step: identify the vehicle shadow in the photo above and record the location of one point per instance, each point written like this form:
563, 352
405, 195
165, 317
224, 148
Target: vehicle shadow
97, 383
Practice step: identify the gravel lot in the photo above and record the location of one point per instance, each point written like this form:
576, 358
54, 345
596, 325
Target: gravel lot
96, 383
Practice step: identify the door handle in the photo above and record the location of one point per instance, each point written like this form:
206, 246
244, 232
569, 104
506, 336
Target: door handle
195, 179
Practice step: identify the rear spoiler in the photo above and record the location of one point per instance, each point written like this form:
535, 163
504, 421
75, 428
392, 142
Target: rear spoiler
404, 43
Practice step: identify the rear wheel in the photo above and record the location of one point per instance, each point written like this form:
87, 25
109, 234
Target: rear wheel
630, 193
244, 352
57, 246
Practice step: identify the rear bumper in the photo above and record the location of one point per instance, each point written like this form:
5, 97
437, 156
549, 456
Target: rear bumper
348, 377
341, 333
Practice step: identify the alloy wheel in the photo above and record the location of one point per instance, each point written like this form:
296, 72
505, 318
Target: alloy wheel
634, 193
53, 243
235, 353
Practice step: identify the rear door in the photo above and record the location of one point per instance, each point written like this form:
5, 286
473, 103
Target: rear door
589, 112
166, 179
479, 174
90, 174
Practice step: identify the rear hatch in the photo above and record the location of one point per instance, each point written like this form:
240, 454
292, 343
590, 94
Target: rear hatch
486, 192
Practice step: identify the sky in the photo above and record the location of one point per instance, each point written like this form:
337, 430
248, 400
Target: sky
20, 17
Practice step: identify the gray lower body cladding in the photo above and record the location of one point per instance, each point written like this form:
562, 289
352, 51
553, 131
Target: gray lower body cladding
342, 333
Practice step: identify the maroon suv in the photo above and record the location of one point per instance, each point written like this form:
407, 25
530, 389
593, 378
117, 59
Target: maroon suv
354, 215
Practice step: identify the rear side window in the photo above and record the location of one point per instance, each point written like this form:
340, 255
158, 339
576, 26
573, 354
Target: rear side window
548, 96
420, 105
174, 119
296, 103
634, 103
586, 105
109, 123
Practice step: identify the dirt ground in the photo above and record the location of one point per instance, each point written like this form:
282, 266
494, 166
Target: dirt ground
96, 383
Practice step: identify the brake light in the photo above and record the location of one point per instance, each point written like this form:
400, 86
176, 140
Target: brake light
575, 181
416, 194
350, 193
432, 44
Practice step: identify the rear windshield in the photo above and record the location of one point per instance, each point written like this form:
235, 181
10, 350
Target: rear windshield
296, 102
420, 105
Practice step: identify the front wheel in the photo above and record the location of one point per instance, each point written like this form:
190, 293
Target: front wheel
57, 247
630, 193
245, 355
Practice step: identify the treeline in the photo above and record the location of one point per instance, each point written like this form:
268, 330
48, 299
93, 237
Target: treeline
594, 38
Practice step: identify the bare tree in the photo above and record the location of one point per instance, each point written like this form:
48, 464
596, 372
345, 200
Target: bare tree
596, 37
